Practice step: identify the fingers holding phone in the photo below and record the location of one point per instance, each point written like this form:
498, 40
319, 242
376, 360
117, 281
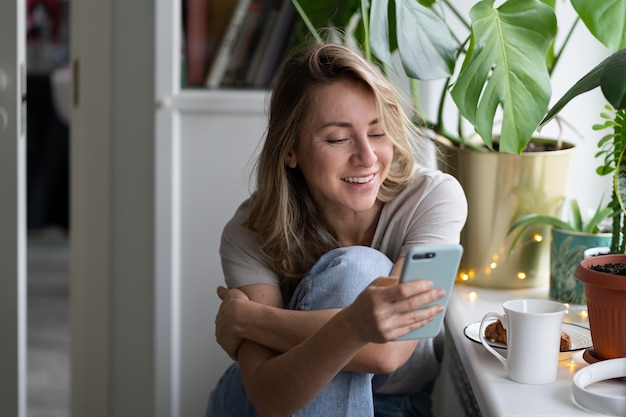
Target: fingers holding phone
438, 264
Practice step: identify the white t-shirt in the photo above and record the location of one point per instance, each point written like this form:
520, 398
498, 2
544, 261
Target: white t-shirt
431, 210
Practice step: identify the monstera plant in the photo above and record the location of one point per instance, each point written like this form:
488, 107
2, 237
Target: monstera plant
495, 59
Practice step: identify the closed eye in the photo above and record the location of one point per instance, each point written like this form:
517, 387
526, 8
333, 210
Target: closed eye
336, 141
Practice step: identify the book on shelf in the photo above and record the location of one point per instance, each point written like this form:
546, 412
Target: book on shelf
246, 43
227, 47
281, 39
203, 25
197, 42
253, 45
263, 42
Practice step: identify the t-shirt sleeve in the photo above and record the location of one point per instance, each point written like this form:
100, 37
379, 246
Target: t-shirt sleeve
441, 215
243, 261
432, 210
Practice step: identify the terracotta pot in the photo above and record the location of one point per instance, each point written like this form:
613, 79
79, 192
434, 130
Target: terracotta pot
606, 304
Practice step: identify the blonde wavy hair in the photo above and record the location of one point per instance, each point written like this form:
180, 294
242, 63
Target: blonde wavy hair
282, 211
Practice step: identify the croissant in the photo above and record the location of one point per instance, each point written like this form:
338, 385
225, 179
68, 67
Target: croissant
497, 333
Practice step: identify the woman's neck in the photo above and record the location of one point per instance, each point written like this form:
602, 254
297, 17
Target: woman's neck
356, 230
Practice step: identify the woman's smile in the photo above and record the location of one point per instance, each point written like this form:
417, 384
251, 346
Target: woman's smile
359, 180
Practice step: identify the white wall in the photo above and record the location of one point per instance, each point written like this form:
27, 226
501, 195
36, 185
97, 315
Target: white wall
583, 53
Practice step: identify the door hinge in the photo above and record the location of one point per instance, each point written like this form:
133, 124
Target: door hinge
23, 99
75, 82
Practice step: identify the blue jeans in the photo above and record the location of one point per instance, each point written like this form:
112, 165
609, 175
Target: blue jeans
333, 282
405, 405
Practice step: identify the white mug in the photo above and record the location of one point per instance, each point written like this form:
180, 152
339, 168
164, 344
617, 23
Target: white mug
533, 330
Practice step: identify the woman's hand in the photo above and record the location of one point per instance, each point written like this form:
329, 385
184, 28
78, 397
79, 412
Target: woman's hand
386, 310
227, 321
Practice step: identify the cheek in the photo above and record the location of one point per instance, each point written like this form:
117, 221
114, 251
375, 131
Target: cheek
314, 164
385, 154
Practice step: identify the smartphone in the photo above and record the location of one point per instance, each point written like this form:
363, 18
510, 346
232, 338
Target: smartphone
439, 264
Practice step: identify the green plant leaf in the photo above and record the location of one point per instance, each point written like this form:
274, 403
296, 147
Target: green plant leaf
525, 222
592, 225
541, 220
613, 79
427, 48
577, 218
609, 74
379, 31
505, 67
606, 20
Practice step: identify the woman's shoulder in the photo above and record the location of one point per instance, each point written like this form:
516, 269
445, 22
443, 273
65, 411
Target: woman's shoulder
234, 229
427, 179
429, 188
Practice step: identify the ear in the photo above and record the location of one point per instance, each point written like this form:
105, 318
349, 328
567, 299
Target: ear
291, 161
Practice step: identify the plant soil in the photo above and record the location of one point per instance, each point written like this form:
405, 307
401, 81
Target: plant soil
613, 269
536, 146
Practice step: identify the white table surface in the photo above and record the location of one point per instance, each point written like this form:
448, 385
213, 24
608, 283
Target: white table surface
494, 392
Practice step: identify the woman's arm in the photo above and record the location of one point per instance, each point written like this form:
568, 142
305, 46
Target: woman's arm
275, 382
281, 329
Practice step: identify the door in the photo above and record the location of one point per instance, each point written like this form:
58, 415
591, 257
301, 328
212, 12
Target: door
12, 209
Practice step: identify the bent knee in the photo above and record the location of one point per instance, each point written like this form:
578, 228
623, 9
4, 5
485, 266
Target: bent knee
340, 276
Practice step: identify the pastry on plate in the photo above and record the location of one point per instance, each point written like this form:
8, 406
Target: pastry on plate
496, 332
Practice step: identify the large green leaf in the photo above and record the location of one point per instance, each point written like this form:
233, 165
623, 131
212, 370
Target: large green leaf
605, 19
613, 79
505, 67
609, 75
379, 31
427, 48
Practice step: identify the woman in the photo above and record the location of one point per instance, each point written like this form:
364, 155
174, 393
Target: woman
312, 258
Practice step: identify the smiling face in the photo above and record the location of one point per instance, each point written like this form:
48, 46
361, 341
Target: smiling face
343, 152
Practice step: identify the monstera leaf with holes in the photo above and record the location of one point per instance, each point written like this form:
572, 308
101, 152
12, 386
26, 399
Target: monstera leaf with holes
505, 68
505, 65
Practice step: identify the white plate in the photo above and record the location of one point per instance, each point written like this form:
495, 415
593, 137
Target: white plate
579, 336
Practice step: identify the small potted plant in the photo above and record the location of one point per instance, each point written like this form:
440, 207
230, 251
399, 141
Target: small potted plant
570, 239
603, 276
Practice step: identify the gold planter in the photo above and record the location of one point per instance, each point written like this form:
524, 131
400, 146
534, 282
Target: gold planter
500, 188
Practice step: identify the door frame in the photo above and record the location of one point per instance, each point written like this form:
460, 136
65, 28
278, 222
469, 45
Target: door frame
13, 324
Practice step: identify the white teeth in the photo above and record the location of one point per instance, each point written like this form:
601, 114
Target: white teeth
359, 180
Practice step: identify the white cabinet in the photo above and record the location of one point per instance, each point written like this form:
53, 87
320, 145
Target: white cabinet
214, 141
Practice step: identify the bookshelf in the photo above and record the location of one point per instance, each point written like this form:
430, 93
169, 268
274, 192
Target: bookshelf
234, 44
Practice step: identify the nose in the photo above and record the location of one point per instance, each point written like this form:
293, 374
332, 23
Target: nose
364, 152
